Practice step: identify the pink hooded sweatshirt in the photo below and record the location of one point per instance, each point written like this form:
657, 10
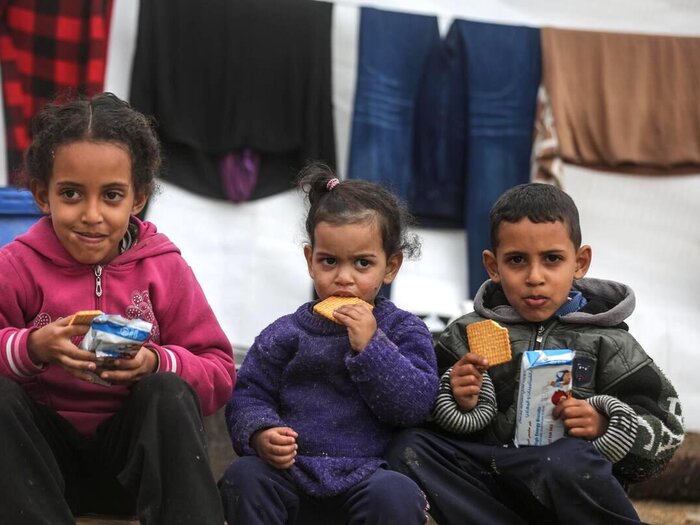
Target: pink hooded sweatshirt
40, 283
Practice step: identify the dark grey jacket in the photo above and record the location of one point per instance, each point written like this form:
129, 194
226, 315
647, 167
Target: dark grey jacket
611, 370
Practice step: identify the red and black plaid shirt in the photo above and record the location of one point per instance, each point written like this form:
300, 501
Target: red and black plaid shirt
48, 49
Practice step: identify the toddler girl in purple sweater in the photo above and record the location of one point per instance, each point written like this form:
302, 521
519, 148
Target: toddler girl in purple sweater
317, 401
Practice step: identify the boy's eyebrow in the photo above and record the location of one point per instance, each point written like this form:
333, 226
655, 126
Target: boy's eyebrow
543, 252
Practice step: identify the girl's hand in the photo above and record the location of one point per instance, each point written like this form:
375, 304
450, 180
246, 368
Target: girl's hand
466, 378
277, 446
580, 418
127, 371
51, 344
360, 322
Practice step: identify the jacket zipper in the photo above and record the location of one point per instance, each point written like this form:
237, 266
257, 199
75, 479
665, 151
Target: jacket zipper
98, 283
539, 337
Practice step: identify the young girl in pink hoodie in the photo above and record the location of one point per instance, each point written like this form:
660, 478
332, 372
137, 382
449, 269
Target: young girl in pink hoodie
68, 445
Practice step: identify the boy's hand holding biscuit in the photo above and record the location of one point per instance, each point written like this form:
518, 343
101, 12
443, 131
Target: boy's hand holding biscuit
466, 379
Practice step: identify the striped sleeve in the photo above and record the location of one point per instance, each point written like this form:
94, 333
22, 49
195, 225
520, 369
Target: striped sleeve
619, 438
16, 362
447, 414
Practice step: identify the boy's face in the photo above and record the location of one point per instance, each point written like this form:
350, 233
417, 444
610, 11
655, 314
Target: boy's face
536, 264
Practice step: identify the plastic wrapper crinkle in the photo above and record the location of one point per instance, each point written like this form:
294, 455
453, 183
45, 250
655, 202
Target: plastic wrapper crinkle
114, 336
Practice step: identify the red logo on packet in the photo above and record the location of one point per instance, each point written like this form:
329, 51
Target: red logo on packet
558, 396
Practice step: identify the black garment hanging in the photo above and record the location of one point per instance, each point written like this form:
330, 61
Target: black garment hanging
222, 76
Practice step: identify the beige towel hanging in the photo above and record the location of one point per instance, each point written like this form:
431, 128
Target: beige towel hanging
624, 102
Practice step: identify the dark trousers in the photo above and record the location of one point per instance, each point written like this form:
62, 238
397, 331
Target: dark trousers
253, 492
470, 483
150, 459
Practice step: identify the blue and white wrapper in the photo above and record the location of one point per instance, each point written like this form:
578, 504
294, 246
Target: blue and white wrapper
114, 336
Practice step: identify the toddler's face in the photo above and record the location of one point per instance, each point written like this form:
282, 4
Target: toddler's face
349, 260
90, 198
536, 264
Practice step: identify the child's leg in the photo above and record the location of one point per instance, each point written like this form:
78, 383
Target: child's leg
459, 484
568, 477
31, 483
253, 492
156, 446
383, 498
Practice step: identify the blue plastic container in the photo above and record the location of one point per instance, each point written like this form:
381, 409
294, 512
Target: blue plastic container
18, 212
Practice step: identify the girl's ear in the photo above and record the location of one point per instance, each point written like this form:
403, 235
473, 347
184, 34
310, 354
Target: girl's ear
491, 265
583, 261
308, 255
393, 265
41, 195
139, 203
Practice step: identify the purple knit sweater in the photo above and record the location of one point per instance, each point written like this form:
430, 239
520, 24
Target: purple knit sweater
345, 406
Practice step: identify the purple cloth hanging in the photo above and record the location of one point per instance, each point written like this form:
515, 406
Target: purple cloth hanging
239, 174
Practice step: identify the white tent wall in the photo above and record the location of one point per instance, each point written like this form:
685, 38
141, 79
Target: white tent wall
644, 230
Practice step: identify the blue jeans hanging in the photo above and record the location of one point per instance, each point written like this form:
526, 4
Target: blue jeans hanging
393, 48
446, 124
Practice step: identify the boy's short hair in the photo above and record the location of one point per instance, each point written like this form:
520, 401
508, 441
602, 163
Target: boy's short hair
538, 202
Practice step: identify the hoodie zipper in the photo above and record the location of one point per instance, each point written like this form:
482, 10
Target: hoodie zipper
98, 283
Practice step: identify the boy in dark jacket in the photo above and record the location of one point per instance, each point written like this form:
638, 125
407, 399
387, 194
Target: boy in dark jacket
622, 424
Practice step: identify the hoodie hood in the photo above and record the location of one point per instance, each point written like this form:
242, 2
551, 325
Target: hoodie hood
42, 239
609, 303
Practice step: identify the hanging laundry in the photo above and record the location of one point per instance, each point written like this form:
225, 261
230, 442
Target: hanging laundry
239, 173
546, 165
48, 50
624, 102
447, 124
225, 76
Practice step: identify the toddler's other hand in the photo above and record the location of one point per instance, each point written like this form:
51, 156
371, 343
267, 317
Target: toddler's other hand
51, 344
580, 418
466, 378
360, 322
276, 446
127, 371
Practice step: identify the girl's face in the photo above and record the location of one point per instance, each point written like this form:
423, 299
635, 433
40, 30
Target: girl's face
90, 198
349, 260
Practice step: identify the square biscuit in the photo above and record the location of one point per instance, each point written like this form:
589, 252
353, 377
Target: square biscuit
328, 305
84, 316
490, 340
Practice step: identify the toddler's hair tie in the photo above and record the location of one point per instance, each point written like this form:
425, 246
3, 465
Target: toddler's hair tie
332, 183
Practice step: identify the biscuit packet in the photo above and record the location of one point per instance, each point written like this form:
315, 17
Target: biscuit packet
115, 337
545, 378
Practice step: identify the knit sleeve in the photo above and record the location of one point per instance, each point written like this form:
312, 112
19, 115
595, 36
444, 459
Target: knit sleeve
448, 415
640, 445
619, 438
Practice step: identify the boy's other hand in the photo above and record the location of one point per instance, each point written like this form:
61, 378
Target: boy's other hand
466, 378
52, 344
277, 446
580, 418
